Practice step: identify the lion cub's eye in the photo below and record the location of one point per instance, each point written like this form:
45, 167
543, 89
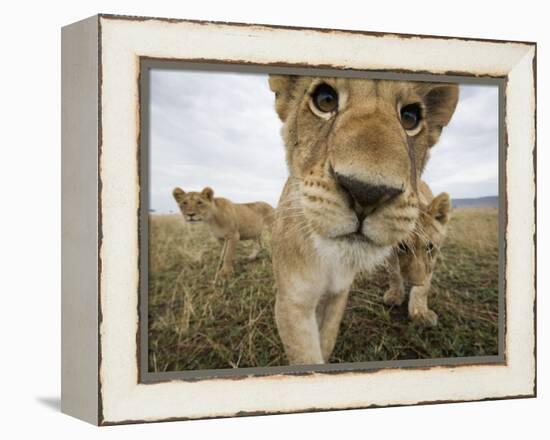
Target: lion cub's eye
411, 115
199, 202
325, 98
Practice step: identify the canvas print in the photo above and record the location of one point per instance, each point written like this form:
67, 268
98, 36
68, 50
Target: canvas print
304, 220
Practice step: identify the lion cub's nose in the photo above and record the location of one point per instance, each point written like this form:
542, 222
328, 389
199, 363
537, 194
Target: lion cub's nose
366, 194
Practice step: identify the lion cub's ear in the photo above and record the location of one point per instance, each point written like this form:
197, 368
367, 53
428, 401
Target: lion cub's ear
440, 207
440, 100
441, 103
282, 86
208, 193
178, 194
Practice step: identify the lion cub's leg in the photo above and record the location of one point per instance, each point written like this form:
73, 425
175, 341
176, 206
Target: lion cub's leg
329, 316
256, 248
395, 295
418, 305
299, 331
230, 246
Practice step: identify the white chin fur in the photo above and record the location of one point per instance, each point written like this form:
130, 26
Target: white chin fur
360, 256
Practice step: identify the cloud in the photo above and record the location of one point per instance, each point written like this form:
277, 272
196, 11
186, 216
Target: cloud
465, 161
214, 129
219, 129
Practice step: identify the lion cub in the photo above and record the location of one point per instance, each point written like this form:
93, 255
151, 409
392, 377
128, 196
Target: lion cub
413, 260
229, 222
355, 149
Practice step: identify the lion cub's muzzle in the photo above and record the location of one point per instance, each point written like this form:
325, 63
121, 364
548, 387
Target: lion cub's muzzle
367, 197
192, 218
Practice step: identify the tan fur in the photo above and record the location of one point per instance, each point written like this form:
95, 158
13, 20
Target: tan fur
229, 222
413, 262
322, 236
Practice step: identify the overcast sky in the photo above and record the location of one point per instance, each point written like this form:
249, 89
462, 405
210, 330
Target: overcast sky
220, 129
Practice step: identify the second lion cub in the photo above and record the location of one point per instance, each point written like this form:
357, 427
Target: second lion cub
229, 222
412, 263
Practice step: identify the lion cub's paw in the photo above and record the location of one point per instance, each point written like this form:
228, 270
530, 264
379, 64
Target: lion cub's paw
424, 317
226, 271
393, 297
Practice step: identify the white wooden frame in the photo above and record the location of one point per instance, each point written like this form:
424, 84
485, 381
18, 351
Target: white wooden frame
100, 135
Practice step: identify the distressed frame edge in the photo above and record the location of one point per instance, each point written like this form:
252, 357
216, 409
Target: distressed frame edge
531, 55
104, 422
315, 410
80, 223
535, 195
128, 17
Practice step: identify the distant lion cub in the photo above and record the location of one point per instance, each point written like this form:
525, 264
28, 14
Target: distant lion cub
413, 261
227, 221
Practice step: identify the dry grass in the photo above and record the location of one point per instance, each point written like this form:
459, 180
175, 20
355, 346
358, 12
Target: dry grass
474, 228
194, 324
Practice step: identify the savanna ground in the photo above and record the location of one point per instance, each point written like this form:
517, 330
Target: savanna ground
196, 324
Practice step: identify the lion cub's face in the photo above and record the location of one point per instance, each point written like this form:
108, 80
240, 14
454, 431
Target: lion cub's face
418, 254
355, 150
195, 206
